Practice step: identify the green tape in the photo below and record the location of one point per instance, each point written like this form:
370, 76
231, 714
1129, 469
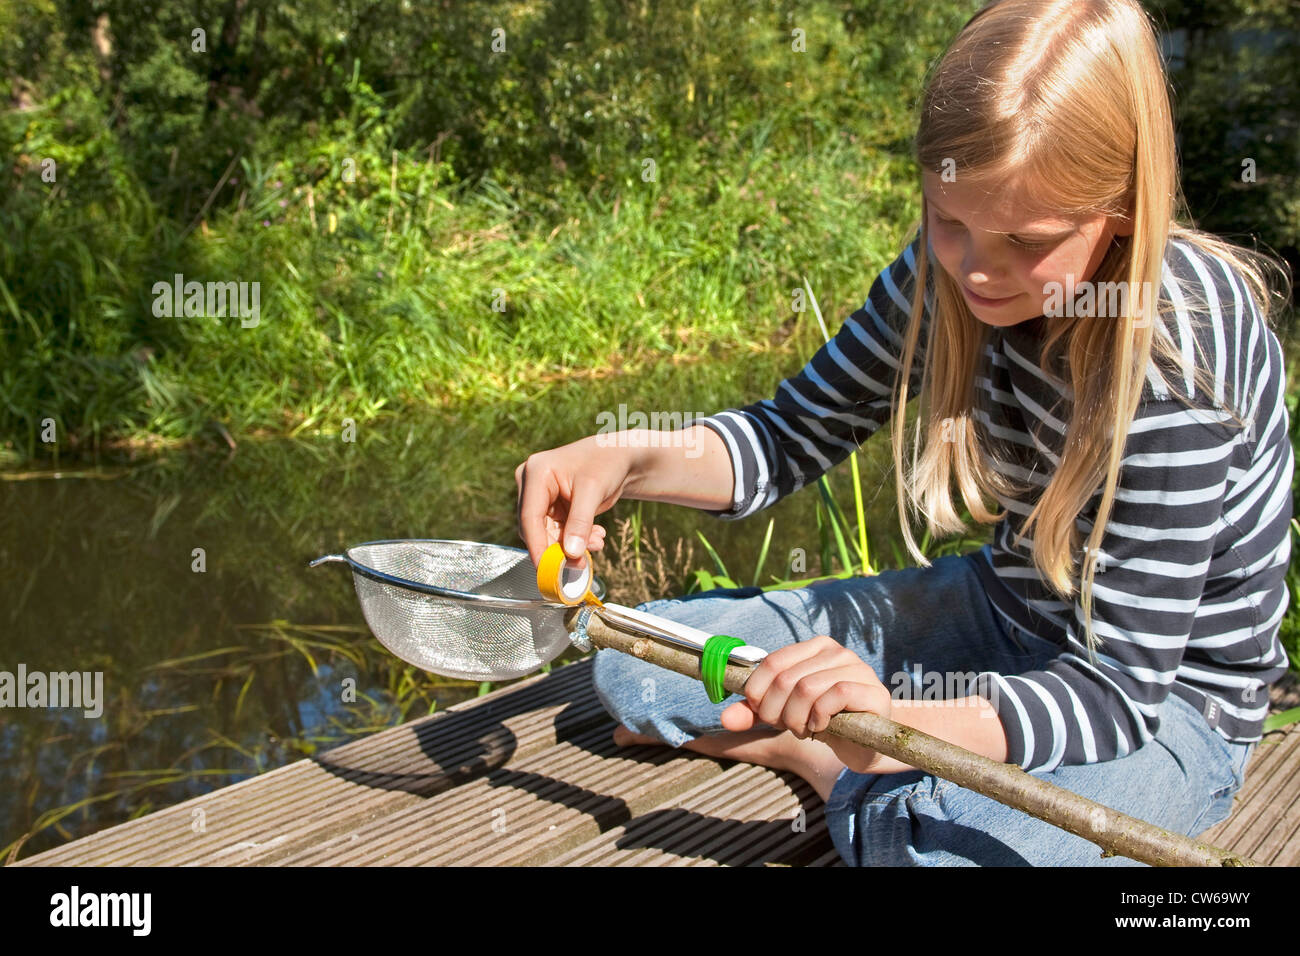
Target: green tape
713, 664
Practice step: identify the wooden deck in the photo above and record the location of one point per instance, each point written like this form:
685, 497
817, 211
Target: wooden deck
530, 775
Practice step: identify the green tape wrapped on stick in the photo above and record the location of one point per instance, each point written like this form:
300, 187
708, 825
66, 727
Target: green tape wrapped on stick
713, 664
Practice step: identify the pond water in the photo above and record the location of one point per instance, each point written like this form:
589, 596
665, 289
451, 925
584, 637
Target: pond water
215, 672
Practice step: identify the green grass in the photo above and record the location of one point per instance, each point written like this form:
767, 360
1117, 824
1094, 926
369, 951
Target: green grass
432, 298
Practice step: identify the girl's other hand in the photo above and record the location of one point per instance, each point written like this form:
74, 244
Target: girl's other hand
800, 687
562, 490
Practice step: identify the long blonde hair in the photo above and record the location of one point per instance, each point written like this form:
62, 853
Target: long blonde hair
1068, 101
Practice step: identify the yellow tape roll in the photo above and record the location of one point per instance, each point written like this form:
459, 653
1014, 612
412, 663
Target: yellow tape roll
559, 582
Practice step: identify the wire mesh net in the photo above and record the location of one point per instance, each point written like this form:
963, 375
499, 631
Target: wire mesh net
471, 640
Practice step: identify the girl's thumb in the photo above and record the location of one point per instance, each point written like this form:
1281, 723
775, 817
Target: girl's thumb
738, 716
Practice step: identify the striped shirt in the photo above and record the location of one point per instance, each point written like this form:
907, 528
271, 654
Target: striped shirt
1189, 589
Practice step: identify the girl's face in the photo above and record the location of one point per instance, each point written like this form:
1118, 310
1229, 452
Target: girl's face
1004, 261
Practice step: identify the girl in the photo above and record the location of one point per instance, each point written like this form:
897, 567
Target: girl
1105, 373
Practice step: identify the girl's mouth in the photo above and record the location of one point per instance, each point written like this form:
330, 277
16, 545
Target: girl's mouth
987, 301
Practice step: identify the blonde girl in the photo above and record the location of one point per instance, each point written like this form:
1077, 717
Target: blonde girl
1101, 384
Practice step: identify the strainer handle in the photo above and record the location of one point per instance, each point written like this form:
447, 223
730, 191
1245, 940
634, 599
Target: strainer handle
328, 557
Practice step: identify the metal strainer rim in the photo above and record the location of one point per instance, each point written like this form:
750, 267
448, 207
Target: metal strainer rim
432, 589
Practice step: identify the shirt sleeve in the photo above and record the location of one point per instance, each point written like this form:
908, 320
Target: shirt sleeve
839, 399
1164, 530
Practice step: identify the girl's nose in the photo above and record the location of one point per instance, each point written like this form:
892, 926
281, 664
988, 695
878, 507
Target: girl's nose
980, 266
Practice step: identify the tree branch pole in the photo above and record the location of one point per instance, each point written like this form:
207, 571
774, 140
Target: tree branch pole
1118, 834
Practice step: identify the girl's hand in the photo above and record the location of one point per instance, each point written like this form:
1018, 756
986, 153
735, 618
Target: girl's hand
561, 492
800, 687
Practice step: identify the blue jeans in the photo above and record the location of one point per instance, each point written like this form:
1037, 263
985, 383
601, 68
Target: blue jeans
936, 619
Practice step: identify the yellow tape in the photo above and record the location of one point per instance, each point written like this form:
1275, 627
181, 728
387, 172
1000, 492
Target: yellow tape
559, 582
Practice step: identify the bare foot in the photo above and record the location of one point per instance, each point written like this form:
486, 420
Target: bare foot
757, 746
812, 760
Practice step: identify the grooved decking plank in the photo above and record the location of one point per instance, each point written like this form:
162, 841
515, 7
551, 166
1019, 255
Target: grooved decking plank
716, 839
523, 812
1277, 818
372, 840
359, 780
742, 818
1279, 846
677, 824
783, 843
1266, 812
604, 847
635, 788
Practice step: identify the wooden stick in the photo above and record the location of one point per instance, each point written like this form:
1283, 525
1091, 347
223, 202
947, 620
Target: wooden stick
1118, 834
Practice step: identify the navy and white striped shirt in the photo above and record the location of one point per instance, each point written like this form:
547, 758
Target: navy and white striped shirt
1190, 587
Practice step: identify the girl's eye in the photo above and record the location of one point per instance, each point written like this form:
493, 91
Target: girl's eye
1030, 243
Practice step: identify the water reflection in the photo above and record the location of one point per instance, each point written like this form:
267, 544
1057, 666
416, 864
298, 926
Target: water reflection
184, 580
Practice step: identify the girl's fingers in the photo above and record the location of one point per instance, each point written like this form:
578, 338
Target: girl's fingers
537, 496
578, 526
787, 683
850, 695
772, 666
800, 715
